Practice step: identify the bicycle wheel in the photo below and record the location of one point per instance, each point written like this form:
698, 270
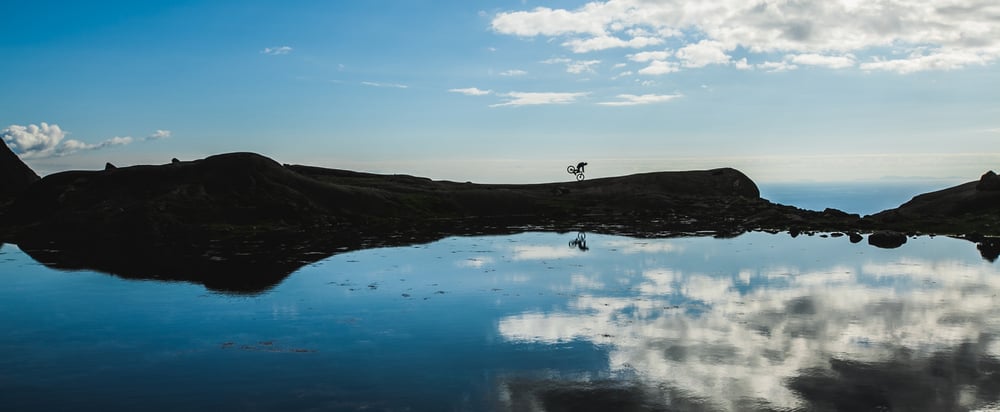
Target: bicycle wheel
571, 170
579, 176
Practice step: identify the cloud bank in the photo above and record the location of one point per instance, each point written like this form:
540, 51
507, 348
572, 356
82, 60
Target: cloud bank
888, 35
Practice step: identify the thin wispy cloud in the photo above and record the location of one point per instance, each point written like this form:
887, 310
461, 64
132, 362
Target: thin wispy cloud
580, 67
159, 134
892, 35
539, 98
556, 60
471, 91
513, 72
276, 51
390, 85
635, 100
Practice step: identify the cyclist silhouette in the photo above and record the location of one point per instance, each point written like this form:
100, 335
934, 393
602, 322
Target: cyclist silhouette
578, 170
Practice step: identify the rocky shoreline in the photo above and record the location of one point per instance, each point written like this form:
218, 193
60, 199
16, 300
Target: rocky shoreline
241, 222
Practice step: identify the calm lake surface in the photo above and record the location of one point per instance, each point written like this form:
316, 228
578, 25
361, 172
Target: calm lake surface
533, 321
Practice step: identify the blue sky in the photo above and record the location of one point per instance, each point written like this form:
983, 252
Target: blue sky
510, 91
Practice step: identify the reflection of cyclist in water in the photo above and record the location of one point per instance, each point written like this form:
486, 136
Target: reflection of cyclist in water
580, 242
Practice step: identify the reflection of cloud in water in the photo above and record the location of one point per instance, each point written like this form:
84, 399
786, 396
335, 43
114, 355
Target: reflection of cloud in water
633, 246
912, 333
475, 262
581, 282
542, 252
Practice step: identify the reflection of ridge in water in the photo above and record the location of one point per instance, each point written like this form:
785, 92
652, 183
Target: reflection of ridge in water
892, 333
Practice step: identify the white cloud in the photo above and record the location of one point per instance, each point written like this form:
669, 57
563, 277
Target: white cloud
539, 98
658, 67
942, 60
72, 146
626, 73
900, 36
548, 22
634, 100
556, 60
392, 85
276, 51
574, 67
41, 141
159, 134
775, 67
513, 72
471, 91
610, 42
33, 140
579, 67
646, 56
703, 53
813, 59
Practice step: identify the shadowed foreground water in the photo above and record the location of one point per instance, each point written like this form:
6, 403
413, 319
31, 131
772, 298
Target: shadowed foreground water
534, 321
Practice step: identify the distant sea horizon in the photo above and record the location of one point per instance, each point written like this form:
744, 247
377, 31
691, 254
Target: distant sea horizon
863, 198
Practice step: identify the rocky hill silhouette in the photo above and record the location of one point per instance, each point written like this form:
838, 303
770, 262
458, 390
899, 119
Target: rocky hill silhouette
241, 221
17, 176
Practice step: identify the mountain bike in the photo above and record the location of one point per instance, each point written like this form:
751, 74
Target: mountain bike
573, 171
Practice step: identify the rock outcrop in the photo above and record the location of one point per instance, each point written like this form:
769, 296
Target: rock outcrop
15, 176
972, 207
989, 181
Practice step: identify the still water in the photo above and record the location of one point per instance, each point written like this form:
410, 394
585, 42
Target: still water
528, 322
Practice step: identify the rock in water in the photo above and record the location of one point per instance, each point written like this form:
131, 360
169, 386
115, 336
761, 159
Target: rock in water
887, 239
15, 176
989, 248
